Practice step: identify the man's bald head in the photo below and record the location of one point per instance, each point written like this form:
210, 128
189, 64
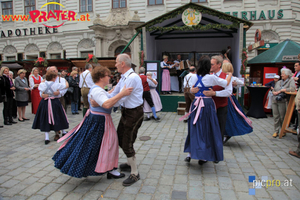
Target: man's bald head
53, 69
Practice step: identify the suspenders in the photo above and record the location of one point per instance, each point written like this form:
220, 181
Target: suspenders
84, 80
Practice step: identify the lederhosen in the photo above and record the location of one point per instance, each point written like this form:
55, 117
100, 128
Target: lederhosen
131, 120
84, 93
188, 96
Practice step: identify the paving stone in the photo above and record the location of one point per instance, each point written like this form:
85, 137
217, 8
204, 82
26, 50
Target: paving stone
112, 193
179, 195
57, 196
212, 196
143, 197
195, 193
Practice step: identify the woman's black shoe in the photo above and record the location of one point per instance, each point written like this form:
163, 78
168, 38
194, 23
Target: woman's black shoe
187, 159
110, 176
25, 119
201, 162
47, 142
21, 120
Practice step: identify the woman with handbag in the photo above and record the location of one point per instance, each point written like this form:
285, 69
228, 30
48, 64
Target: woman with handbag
280, 99
22, 96
73, 93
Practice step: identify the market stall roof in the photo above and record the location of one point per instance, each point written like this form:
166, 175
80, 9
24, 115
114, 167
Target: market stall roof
213, 24
11, 65
285, 51
103, 61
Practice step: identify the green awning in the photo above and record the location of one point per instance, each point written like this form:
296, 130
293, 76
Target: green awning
286, 51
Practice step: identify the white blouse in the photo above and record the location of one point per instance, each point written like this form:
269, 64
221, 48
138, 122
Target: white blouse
99, 95
56, 86
31, 81
212, 80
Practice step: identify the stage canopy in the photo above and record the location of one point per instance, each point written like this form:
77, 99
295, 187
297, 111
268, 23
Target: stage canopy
215, 32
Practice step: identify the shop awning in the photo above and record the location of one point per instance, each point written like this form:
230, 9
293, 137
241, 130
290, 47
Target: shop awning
286, 51
213, 24
11, 65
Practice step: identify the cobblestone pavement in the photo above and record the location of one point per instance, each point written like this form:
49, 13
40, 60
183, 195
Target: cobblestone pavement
27, 171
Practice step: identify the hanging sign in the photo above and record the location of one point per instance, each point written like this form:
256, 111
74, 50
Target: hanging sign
191, 17
258, 41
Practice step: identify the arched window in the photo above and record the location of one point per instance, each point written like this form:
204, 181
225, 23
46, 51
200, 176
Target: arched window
120, 49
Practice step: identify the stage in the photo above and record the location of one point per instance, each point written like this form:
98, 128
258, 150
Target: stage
170, 101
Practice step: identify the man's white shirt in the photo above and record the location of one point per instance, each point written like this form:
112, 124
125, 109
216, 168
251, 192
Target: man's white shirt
88, 79
135, 99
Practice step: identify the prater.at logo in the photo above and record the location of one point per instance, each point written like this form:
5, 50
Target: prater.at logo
58, 15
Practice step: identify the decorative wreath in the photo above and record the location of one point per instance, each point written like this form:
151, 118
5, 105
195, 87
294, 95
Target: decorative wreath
41, 61
91, 58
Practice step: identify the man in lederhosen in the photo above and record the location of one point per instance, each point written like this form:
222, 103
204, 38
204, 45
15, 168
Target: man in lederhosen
85, 83
132, 115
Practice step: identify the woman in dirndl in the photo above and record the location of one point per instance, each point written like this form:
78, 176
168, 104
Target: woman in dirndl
154, 95
237, 123
165, 77
91, 148
34, 80
50, 114
204, 139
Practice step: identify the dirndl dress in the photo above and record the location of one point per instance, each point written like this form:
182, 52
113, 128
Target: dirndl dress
156, 101
50, 116
237, 122
165, 80
204, 139
90, 149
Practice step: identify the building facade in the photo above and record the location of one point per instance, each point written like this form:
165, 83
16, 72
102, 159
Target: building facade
73, 29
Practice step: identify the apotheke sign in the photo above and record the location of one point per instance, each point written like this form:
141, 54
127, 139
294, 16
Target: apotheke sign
28, 31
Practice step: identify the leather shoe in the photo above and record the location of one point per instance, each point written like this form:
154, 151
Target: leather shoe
157, 119
216, 162
201, 162
187, 159
26, 119
110, 176
13, 122
131, 180
56, 137
125, 167
226, 140
7, 123
47, 142
21, 120
1, 126
293, 153
147, 119
185, 121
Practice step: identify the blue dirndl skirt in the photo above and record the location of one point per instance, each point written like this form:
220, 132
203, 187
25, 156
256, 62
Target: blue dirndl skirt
79, 157
204, 140
235, 123
41, 118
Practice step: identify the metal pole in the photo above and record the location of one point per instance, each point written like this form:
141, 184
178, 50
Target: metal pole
130, 41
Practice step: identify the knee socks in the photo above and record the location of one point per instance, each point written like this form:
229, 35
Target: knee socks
154, 112
46, 136
132, 163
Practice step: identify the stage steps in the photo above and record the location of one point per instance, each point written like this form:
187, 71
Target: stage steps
181, 108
